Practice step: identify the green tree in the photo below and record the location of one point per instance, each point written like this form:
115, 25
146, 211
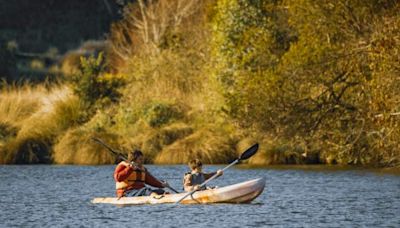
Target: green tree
93, 85
328, 80
249, 37
320, 72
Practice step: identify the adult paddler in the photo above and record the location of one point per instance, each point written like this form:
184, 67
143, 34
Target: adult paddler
131, 178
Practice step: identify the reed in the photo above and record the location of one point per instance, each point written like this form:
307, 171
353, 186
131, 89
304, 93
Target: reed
210, 146
76, 147
18, 103
32, 117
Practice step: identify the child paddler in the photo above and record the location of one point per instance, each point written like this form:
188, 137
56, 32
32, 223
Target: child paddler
131, 178
193, 179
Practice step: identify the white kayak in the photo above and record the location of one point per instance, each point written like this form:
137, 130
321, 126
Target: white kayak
243, 192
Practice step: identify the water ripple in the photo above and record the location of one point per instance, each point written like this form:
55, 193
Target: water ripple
59, 196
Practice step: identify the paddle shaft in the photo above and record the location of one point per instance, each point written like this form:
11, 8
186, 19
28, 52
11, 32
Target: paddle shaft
209, 179
116, 153
216, 175
121, 156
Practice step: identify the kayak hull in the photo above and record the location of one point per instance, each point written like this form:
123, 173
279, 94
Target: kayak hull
243, 192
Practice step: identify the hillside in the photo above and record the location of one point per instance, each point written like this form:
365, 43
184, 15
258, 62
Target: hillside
37, 25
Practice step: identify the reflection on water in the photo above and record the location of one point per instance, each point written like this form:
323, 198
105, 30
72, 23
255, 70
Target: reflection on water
44, 196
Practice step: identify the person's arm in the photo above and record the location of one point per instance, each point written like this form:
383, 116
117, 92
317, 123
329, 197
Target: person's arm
122, 172
151, 180
209, 175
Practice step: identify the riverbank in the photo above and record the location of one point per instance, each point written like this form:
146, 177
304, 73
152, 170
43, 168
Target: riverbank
325, 168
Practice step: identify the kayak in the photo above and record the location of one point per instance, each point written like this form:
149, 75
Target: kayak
243, 192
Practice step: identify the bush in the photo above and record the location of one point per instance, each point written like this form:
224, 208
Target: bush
159, 113
93, 85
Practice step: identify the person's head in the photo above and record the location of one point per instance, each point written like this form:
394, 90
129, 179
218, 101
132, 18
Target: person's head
136, 156
195, 165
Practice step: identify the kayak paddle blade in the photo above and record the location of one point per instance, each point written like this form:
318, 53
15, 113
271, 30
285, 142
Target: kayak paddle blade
249, 152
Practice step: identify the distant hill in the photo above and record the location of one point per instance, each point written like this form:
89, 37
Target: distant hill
38, 25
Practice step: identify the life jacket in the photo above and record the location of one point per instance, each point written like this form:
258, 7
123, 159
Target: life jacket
137, 175
196, 179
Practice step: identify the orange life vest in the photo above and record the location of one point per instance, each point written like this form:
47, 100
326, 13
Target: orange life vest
137, 175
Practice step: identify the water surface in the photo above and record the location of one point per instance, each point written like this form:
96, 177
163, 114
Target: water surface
59, 196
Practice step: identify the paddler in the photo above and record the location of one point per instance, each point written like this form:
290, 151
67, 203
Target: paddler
193, 179
131, 178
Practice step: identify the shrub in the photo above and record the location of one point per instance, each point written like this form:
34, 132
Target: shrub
93, 85
159, 113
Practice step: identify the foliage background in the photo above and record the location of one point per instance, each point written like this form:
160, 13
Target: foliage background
311, 81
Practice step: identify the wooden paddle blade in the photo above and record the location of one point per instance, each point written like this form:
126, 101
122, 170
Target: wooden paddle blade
249, 152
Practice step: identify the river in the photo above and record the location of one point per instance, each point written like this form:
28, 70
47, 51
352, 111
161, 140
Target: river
60, 196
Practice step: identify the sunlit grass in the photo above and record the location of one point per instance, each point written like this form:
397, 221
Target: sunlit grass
18, 103
76, 147
209, 145
32, 117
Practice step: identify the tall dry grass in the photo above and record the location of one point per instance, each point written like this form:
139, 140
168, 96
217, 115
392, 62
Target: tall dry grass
210, 145
154, 141
32, 118
17, 103
76, 147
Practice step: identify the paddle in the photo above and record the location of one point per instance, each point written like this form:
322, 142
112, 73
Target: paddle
114, 152
119, 155
245, 155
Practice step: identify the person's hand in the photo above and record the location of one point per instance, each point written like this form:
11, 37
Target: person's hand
131, 164
196, 187
165, 184
220, 172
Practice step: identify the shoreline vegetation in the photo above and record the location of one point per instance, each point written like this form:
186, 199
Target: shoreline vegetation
311, 82
326, 168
